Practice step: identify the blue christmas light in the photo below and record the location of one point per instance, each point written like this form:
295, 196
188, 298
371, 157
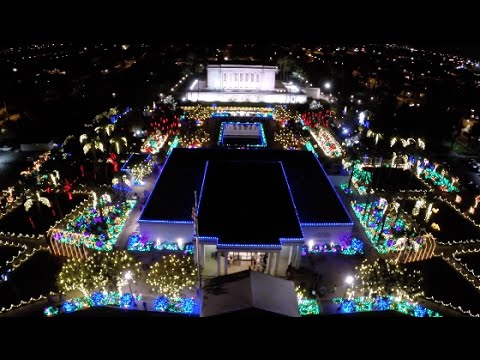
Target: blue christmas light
419, 311
187, 305
68, 307
201, 189
126, 301
348, 306
98, 298
383, 303
161, 303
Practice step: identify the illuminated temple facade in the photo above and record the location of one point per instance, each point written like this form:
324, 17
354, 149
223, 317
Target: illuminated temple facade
243, 83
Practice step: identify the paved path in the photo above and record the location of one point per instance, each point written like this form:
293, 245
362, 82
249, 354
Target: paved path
131, 225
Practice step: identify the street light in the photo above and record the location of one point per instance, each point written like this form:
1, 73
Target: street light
327, 85
349, 282
128, 277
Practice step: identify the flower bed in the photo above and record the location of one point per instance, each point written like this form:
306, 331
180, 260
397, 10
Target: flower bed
327, 142
125, 301
84, 229
395, 235
306, 306
352, 246
178, 305
139, 242
363, 304
154, 143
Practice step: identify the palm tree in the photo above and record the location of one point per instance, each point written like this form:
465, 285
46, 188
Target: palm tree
106, 131
286, 64
91, 144
118, 141
105, 115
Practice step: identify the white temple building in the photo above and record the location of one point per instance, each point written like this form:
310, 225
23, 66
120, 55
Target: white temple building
244, 83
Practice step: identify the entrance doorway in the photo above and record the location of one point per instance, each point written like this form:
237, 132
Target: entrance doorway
244, 260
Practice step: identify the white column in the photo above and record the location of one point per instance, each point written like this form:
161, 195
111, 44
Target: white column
299, 256
269, 262
290, 255
218, 263
295, 256
226, 262
202, 255
277, 262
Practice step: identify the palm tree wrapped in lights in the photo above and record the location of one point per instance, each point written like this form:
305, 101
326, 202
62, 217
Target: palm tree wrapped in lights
105, 129
40, 200
91, 145
118, 141
376, 135
419, 143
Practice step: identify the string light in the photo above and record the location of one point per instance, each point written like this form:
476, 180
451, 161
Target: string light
382, 278
387, 232
97, 299
327, 142
352, 246
306, 306
23, 303
175, 305
101, 270
289, 139
172, 274
83, 229
365, 304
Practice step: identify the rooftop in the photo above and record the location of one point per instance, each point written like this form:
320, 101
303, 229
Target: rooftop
244, 65
237, 209
314, 197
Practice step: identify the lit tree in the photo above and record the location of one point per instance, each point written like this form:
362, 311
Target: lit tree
77, 274
382, 278
194, 139
172, 274
91, 144
118, 143
376, 135
106, 130
114, 265
106, 114
141, 171
200, 113
282, 115
39, 200
290, 138
105, 271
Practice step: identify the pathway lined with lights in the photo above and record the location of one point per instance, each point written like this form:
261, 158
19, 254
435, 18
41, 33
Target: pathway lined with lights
131, 224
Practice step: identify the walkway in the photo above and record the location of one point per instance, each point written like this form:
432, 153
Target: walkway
131, 225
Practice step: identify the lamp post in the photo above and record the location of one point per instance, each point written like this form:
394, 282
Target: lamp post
128, 277
349, 281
